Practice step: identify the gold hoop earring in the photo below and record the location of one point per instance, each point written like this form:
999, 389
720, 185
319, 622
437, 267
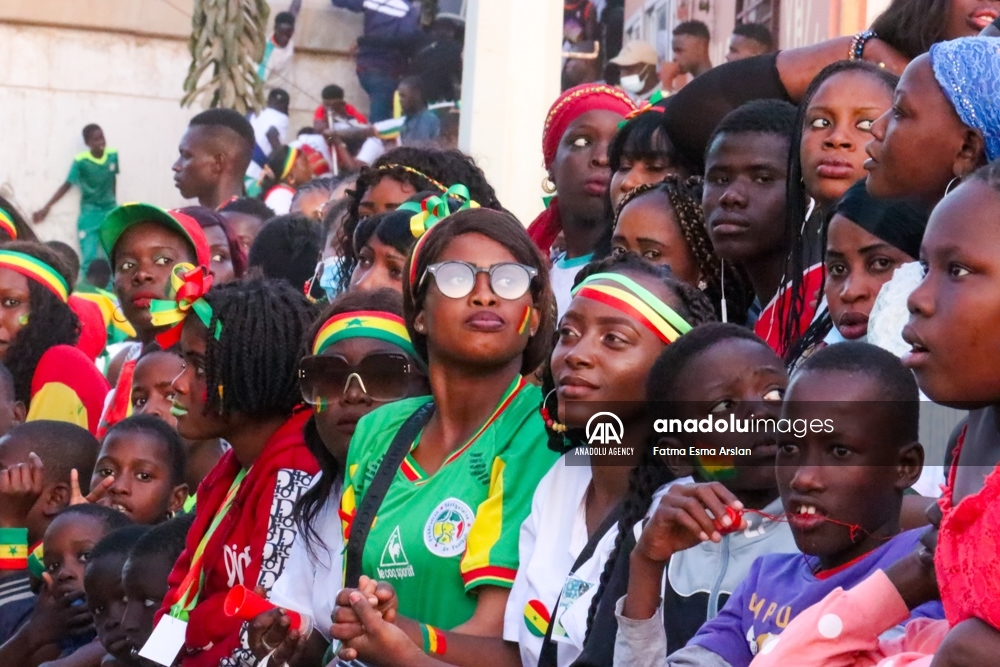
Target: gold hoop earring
114, 315
548, 187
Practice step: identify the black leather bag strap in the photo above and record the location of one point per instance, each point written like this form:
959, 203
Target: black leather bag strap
376, 491
549, 657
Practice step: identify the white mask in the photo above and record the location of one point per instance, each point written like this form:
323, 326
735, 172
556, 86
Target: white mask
633, 83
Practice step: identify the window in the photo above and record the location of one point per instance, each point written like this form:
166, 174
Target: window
765, 12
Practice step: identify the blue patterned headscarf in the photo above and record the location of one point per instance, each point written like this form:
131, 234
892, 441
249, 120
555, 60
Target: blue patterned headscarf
968, 69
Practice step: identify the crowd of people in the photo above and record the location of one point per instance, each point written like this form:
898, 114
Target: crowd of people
359, 431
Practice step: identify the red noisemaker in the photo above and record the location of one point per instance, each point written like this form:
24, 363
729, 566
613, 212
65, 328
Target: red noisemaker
246, 605
736, 518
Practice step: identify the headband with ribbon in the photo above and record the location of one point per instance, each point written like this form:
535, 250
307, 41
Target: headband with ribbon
637, 302
428, 213
364, 324
416, 172
648, 105
293, 154
7, 224
37, 270
188, 286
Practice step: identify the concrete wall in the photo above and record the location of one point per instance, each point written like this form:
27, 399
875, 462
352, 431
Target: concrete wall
121, 64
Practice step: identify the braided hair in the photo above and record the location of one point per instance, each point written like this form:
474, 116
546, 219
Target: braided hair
51, 321
651, 473
422, 169
797, 203
685, 200
311, 503
255, 360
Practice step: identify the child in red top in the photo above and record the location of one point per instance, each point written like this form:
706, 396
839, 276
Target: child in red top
240, 384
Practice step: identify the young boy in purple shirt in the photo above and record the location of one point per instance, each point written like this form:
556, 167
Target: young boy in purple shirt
843, 493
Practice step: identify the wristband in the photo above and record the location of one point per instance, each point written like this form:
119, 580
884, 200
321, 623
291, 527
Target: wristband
434, 640
857, 49
13, 548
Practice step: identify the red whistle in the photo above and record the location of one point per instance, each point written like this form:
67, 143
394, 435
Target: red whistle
736, 518
246, 605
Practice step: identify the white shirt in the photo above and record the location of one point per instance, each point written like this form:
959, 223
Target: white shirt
561, 277
264, 121
279, 199
313, 574
551, 540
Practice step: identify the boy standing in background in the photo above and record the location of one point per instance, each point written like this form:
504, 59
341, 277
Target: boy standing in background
95, 172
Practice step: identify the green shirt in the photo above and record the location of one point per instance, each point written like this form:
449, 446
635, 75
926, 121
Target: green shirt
437, 538
95, 178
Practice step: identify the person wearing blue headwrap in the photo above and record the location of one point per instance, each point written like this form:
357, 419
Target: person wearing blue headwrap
944, 122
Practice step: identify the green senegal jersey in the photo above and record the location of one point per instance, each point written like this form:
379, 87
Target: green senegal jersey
437, 538
95, 178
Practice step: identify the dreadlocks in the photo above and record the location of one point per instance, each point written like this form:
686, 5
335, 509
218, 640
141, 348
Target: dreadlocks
685, 200
256, 358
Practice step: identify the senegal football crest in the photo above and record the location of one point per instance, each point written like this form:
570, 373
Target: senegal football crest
448, 527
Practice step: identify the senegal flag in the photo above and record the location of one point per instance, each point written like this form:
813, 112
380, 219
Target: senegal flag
536, 617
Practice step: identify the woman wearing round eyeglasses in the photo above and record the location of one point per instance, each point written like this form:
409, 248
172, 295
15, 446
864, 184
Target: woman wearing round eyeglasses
480, 311
360, 358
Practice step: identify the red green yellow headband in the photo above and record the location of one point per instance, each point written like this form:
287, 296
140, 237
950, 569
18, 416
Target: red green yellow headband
35, 269
7, 224
637, 302
293, 154
428, 213
364, 324
188, 286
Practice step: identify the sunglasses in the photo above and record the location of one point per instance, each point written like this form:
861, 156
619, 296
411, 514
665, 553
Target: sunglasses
383, 376
508, 280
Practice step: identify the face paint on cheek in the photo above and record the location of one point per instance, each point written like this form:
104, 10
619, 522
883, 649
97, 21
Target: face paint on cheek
524, 320
715, 468
322, 405
23, 320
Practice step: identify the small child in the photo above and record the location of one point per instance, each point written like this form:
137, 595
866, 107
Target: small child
144, 580
36, 463
61, 622
145, 456
153, 394
842, 492
102, 582
747, 378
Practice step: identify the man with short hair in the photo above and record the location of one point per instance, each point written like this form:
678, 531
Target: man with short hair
335, 108
637, 61
690, 46
214, 155
421, 125
749, 40
95, 171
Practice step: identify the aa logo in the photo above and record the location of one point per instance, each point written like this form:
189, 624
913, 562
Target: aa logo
447, 528
393, 554
604, 428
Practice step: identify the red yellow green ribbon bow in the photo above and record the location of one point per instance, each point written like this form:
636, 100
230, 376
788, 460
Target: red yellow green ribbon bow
649, 105
188, 286
428, 213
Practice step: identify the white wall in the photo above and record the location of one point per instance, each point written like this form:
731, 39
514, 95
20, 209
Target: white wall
58, 79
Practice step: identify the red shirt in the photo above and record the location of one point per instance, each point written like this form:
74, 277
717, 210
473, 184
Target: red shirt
351, 111
250, 546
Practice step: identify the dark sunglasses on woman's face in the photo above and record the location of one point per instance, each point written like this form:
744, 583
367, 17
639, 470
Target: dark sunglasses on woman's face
456, 279
383, 376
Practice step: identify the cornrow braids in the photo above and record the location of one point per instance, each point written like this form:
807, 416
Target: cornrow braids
685, 200
254, 363
422, 169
